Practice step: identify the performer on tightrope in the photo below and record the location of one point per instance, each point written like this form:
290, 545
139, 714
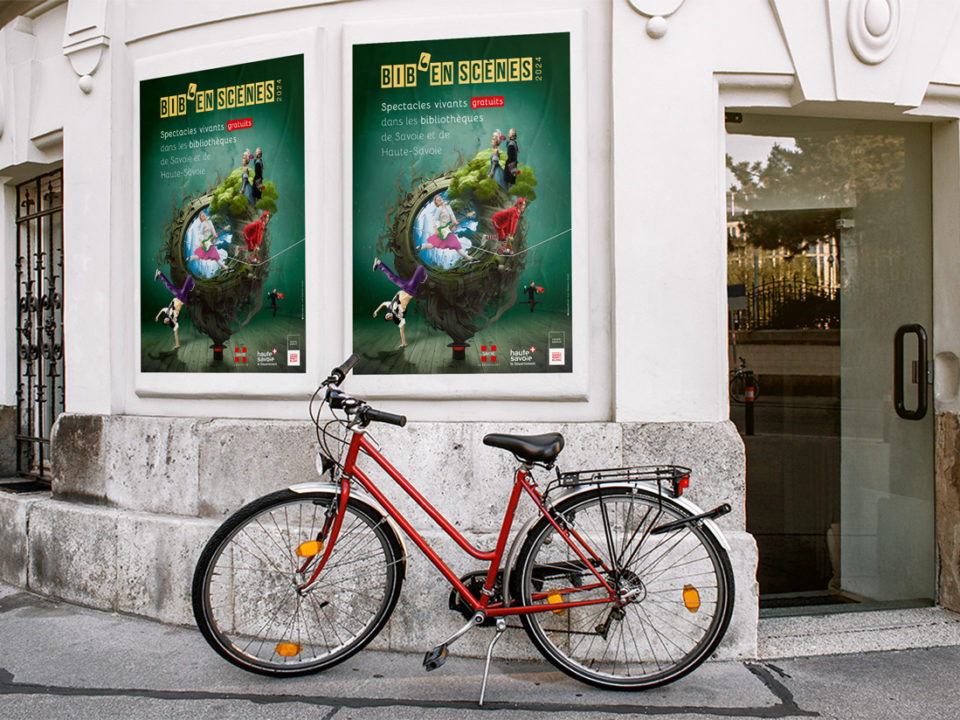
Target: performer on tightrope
505, 223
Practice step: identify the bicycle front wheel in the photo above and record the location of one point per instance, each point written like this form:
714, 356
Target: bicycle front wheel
247, 596
674, 589
738, 388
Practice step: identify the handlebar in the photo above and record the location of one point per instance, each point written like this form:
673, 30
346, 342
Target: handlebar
366, 414
369, 414
340, 372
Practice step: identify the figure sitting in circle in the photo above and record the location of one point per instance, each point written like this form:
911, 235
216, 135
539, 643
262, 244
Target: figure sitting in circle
207, 249
445, 224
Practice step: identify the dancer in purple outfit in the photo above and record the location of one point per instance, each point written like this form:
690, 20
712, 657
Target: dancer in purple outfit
171, 312
397, 307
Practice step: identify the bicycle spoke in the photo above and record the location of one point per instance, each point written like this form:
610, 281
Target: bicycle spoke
649, 634
250, 606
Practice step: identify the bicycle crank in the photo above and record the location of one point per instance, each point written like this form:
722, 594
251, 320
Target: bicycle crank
438, 656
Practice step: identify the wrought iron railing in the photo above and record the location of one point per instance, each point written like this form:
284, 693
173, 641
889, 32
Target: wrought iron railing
40, 381
789, 305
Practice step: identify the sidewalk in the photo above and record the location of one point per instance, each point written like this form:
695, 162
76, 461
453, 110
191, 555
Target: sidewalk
61, 661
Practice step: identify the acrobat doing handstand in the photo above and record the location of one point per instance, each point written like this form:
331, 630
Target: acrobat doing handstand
397, 307
171, 312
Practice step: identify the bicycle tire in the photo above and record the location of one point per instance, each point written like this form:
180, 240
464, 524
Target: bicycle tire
660, 636
245, 598
738, 388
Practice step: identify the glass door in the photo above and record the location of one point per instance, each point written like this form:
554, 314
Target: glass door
829, 268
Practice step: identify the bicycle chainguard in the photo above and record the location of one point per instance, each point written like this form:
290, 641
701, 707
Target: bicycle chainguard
435, 658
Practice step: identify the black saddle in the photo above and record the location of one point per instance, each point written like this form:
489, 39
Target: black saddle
528, 448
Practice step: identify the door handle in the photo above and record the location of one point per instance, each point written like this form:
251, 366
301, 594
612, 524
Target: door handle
920, 375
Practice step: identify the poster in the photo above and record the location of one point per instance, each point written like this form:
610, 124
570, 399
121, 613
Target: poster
222, 270
461, 186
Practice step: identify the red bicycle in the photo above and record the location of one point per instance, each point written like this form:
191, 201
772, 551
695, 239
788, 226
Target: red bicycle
618, 580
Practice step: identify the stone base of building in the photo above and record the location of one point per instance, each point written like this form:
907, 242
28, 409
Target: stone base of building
135, 499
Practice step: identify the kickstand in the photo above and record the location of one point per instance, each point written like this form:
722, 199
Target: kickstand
501, 626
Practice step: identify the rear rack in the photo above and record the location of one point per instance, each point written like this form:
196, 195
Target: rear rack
676, 477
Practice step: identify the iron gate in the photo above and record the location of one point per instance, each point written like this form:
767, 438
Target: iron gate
40, 382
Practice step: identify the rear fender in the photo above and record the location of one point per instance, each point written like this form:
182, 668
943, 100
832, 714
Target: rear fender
651, 490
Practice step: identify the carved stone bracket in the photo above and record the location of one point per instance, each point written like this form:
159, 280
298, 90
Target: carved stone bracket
85, 39
873, 28
657, 11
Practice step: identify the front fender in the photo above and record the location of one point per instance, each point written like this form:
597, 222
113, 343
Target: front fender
332, 489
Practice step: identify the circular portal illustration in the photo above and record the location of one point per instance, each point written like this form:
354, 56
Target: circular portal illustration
206, 248
443, 238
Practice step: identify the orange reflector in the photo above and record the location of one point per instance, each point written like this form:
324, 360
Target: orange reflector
691, 598
288, 649
309, 548
555, 598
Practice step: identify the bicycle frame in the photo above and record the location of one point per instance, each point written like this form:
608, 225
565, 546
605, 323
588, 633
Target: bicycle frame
523, 483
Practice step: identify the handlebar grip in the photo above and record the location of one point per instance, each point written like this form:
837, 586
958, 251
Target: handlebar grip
346, 366
372, 415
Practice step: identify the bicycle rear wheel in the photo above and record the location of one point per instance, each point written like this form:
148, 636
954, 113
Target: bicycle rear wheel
245, 588
675, 589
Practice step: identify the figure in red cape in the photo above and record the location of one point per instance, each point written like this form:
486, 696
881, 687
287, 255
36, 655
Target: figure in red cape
505, 223
253, 233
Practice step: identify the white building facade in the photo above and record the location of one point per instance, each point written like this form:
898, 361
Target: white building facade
145, 469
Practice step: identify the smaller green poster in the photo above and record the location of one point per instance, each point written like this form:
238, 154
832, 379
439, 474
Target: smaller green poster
462, 237
221, 273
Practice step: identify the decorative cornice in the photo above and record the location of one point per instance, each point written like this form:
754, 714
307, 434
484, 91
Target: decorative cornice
657, 11
873, 28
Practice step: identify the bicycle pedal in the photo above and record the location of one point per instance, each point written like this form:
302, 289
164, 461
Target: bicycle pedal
435, 658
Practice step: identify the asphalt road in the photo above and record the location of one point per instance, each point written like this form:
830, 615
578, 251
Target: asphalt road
61, 661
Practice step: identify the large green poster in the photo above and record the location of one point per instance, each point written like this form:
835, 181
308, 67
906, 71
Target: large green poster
461, 205
222, 220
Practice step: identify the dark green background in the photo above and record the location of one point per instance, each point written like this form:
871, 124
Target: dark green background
540, 111
278, 128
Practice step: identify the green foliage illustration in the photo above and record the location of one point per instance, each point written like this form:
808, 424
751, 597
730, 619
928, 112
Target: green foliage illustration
473, 177
227, 197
